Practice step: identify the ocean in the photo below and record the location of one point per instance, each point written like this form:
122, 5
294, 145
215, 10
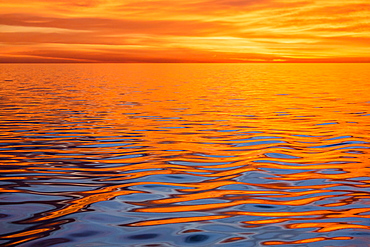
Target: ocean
184, 155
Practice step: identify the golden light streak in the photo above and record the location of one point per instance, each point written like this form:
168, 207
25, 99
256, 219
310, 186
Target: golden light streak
177, 220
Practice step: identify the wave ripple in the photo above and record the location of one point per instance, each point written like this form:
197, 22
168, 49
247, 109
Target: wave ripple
184, 154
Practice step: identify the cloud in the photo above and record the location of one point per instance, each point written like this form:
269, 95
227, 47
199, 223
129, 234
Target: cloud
175, 31
116, 26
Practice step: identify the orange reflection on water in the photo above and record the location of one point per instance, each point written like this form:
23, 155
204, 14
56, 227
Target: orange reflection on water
31, 232
254, 146
305, 241
327, 226
178, 220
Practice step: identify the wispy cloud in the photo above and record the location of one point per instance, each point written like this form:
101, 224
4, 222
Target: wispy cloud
185, 31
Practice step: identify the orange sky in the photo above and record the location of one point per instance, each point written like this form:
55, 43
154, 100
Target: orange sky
185, 31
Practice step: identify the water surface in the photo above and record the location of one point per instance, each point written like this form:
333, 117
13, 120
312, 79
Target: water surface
184, 155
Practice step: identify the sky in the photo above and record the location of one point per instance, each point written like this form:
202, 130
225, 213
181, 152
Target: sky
238, 31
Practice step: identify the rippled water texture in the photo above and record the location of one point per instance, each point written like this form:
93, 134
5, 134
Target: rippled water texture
185, 155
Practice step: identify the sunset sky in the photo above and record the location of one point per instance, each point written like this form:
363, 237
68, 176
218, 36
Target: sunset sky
185, 31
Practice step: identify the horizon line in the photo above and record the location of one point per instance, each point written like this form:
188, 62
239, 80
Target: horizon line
271, 62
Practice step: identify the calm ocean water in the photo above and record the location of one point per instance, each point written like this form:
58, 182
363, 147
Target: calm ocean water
185, 155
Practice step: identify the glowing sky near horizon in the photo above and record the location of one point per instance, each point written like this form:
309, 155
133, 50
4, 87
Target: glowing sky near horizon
185, 31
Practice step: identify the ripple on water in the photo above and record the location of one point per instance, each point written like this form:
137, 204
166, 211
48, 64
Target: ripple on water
227, 154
